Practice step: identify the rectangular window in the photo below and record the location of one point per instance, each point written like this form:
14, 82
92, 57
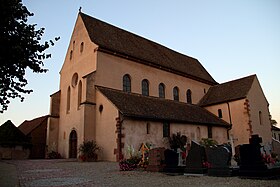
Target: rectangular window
166, 129
209, 132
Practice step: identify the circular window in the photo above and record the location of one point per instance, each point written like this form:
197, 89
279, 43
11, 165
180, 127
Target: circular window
75, 80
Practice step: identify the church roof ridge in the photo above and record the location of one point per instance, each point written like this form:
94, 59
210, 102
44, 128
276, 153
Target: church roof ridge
125, 43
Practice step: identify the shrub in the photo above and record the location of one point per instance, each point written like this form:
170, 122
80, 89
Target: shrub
53, 155
88, 151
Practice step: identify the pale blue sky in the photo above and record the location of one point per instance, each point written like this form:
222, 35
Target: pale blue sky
231, 39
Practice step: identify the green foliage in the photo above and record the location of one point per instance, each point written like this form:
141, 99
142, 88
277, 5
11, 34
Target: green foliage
88, 150
177, 141
20, 49
54, 155
208, 142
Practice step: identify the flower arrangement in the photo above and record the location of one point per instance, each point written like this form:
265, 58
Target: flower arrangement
88, 151
132, 162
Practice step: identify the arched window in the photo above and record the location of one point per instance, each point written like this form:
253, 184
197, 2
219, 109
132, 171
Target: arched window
126, 83
220, 113
79, 94
68, 100
260, 117
198, 134
161, 90
145, 87
148, 128
189, 96
71, 55
82, 47
176, 93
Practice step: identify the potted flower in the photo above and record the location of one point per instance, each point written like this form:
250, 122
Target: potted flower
88, 151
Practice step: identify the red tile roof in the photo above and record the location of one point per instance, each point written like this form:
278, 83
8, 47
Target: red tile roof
118, 41
229, 91
158, 109
28, 126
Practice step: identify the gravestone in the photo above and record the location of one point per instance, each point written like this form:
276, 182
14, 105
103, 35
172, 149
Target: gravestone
195, 159
219, 158
251, 162
171, 162
156, 158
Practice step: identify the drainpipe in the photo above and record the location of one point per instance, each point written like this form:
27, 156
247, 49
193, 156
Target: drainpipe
230, 122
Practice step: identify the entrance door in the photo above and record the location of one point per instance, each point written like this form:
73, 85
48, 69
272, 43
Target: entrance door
73, 144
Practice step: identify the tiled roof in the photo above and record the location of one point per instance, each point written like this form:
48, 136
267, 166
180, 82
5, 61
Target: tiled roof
274, 128
229, 91
28, 126
158, 109
11, 135
124, 43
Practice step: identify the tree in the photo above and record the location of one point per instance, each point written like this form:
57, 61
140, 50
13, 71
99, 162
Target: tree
273, 122
20, 49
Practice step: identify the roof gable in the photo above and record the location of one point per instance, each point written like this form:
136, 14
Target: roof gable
159, 109
11, 135
229, 91
124, 43
28, 126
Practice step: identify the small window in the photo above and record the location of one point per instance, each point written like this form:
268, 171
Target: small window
189, 96
82, 47
68, 100
209, 132
74, 45
220, 113
71, 55
126, 83
260, 118
166, 129
145, 87
148, 128
176, 93
161, 90
79, 94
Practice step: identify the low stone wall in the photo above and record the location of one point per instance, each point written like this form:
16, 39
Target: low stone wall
14, 153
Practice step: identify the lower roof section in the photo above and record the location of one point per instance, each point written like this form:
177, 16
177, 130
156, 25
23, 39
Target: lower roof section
158, 109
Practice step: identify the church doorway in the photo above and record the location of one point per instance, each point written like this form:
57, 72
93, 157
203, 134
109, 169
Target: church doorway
73, 144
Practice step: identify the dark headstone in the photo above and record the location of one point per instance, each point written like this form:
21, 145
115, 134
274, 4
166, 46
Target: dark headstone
219, 159
251, 162
196, 157
156, 159
171, 162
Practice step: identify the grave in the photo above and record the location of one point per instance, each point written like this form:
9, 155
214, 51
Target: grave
196, 159
219, 158
171, 162
156, 159
251, 161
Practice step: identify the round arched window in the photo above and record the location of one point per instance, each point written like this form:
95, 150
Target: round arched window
75, 80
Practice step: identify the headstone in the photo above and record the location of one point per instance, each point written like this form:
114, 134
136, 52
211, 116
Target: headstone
250, 156
252, 164
219, 158
195, 159
156, 159
171, 162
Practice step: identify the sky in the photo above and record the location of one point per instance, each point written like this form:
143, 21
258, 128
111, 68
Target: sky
231, 39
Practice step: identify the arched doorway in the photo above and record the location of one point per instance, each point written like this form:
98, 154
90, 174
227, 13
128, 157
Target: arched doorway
73, 144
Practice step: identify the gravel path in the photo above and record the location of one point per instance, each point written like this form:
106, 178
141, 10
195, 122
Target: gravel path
73, 173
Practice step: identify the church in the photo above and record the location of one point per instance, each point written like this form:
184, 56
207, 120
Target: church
121, 90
